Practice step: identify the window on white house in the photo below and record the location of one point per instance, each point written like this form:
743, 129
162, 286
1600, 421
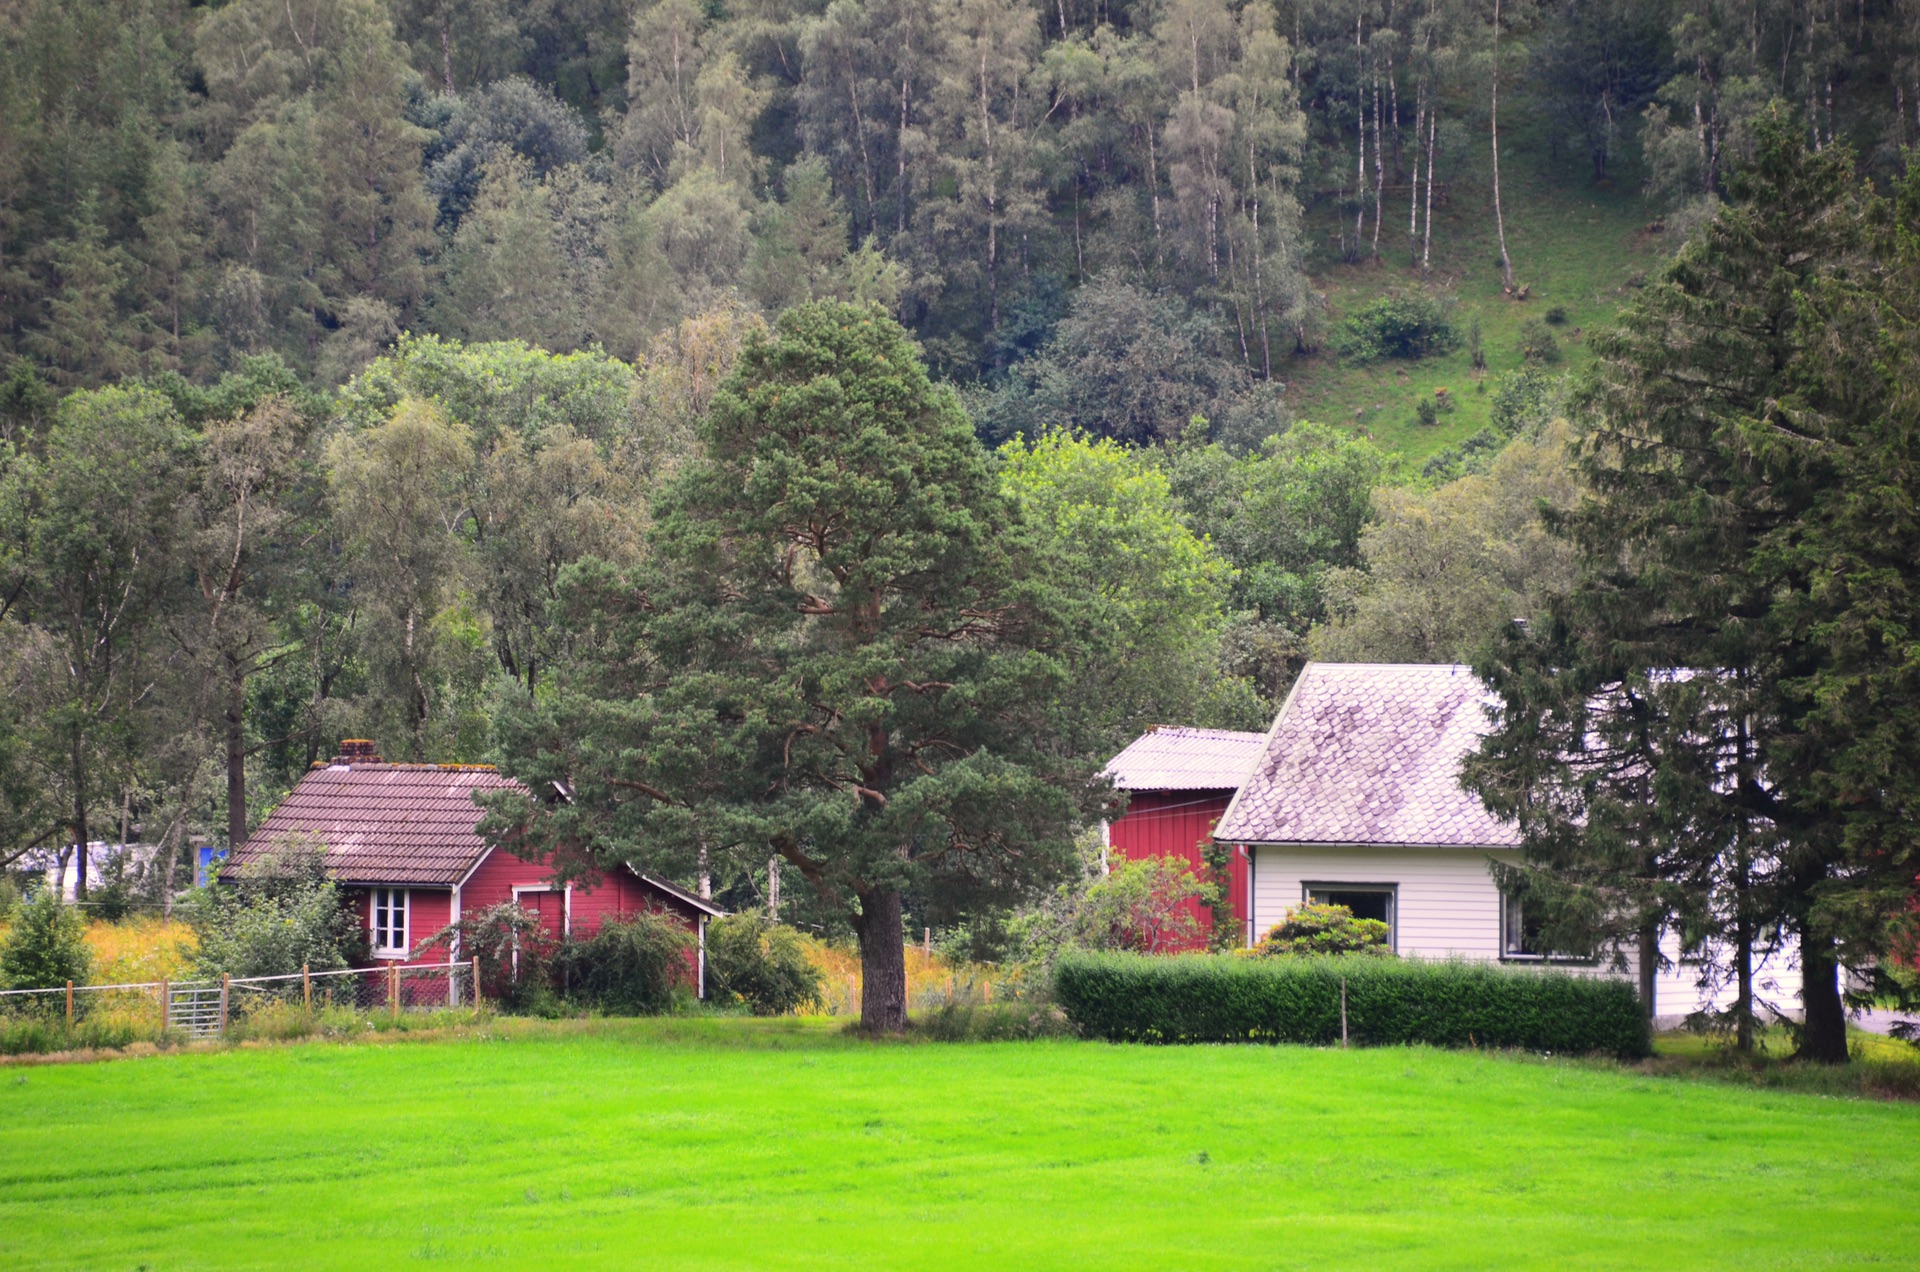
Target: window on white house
389, 920
1365, 900
1520, 935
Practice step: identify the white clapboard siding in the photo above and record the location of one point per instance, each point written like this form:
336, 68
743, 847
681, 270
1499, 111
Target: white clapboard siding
1446, 905
1446, 902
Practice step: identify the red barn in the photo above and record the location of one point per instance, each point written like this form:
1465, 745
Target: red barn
402, 839
1178, 782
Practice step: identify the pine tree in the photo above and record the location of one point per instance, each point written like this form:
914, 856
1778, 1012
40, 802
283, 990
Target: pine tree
827, 654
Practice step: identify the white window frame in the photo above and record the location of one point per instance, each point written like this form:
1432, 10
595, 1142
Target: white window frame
1390, 890
375, 906
1511, 916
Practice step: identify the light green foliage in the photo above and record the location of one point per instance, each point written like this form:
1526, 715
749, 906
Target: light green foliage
1444, 570
1285, 517
282, 914
1309, 930
772, 1125
759, 964
45, 946
1144, 595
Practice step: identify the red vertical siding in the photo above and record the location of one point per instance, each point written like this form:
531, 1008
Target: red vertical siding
428, 910
1178, 824
616, 895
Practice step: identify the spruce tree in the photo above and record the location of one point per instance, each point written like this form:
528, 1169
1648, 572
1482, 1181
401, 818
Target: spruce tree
1643, 732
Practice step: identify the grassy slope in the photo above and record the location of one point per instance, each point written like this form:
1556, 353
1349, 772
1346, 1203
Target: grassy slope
713, 1143
1575, 245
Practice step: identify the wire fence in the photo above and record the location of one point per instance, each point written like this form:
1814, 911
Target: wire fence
92, 1015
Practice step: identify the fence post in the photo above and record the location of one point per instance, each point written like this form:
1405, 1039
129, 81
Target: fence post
306, 986
166, 1003
1343, 1011
476, 982
393, 991
69, 1004
226, 983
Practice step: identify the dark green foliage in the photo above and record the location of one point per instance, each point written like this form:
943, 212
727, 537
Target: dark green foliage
1476, 344
1556, 316
631, 967
1685, 745
1426, 411
758, 963
1324, 929
1205, 998
1405, 325
1537, 343
45, 947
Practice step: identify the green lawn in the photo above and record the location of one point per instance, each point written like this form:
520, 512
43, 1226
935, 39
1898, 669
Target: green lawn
727, 1143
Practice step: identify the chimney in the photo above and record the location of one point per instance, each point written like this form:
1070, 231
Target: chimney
357, 751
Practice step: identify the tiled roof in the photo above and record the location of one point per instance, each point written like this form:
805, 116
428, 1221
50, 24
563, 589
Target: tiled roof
1170, 758
1369, 753
386, 823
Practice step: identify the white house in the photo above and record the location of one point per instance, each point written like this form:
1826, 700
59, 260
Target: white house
1356, 800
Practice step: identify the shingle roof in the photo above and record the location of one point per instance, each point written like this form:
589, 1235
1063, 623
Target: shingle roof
1369, 753
386, 823
1169, 758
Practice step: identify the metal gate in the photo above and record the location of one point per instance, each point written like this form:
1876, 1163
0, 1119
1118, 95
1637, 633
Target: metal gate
196, 1010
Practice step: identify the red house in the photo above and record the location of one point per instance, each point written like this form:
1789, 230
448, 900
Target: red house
402, 840
1179, 782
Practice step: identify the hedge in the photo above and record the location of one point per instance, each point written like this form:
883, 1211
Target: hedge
1207, 998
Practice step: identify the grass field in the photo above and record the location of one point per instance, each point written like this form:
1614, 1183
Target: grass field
691, 1143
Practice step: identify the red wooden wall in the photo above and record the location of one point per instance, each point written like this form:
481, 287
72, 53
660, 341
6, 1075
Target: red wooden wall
1178, 824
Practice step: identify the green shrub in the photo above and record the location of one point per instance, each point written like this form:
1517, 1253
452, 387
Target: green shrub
1145, 906
1557, 316
1410, 325
1476, 349
1537, 343
1323, 929
283, 914
1426, 411
45, 947
630, 967
1524, 399
759, 964
9, 897
1199, 998
517, 956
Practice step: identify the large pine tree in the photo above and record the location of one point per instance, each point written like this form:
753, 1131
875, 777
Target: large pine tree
830, 654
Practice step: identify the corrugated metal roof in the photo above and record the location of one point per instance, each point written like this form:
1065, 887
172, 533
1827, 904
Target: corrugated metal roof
1173, 758
1369, 753
386, 823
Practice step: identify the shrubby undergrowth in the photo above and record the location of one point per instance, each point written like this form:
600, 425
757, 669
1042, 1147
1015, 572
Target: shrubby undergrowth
1127, 998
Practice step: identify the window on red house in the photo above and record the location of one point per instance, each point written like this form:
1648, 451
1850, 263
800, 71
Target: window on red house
389, 920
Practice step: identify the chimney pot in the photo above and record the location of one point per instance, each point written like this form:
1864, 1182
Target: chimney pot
357, 751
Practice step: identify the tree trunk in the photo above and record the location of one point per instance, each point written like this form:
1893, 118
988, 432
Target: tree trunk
883, 962
1499, 218
1823, 1033
236, 762
773, 887
79, 824
1649, 966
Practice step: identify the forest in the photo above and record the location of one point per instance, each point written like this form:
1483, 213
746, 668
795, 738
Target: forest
363, 361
